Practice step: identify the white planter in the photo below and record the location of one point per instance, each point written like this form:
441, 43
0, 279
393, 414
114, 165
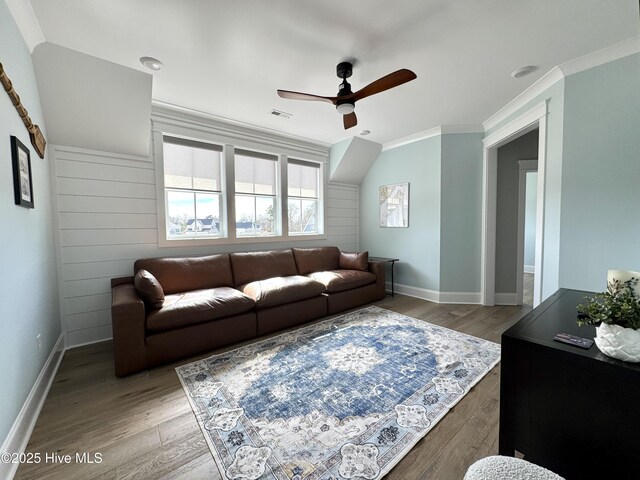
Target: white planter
618, 342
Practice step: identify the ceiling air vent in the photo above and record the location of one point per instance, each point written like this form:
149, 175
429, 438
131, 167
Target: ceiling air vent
280, 114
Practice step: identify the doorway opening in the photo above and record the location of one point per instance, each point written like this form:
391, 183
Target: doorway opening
503, 221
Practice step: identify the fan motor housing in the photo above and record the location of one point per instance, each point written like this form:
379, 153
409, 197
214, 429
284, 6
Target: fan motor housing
344, 69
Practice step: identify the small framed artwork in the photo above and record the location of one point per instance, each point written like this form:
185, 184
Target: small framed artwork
394, 205
22, 183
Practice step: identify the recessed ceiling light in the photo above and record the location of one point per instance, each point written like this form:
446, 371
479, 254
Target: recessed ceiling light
522, 71
365, 132
151, 63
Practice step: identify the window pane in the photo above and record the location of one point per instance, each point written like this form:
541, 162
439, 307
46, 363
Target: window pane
192, 214
265, 221
303, 180
180, 208
303, 215
255, 216
255, 175
191, 167
207, 214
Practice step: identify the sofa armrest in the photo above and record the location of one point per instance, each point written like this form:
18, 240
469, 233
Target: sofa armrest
128, 323
378, 268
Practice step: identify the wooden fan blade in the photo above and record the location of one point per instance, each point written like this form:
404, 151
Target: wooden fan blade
305, 96
385, 83
349, 120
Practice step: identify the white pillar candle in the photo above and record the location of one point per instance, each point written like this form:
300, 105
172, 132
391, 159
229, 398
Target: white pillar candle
622, 276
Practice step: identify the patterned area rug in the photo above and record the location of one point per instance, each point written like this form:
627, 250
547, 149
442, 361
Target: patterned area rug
344, 398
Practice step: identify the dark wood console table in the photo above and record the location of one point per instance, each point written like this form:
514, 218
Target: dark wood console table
573, 411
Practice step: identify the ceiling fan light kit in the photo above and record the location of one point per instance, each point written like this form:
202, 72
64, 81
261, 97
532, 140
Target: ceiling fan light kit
345, 101
345, 108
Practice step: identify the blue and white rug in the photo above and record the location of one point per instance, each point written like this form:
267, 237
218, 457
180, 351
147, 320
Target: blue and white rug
344, 398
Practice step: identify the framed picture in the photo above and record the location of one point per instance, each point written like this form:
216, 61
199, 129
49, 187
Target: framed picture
22, 183
394, 205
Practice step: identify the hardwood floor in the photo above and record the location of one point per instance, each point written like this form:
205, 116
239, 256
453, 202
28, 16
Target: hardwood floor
143, 426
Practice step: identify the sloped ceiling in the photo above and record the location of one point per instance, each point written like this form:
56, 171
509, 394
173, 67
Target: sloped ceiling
350, 160
92, 103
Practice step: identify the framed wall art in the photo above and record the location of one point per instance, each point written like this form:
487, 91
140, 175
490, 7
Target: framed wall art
22, 183
394, 205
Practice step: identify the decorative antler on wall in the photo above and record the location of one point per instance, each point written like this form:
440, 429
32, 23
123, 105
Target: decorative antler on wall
35, 134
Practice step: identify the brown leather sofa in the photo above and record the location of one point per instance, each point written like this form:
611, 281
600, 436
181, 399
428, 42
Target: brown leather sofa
178, 307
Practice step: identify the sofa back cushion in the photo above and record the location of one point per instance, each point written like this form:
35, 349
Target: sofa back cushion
354, 261
319, 259
184, 274
253, 266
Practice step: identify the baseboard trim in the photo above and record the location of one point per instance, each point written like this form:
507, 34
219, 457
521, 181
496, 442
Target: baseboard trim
530, 269
423, 293
472, 298
437, 296
506, 298
20, 432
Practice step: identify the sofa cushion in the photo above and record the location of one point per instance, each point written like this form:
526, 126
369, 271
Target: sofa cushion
318, 259
198, 306
354, 261
183, 274
281, 290
149, 288
253, 266
340, 280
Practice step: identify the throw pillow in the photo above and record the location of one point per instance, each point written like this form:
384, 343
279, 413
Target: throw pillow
354, 261
149, 288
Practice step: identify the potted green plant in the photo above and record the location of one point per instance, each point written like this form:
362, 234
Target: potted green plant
617, 311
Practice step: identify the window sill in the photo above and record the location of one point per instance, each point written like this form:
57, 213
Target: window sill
198, 242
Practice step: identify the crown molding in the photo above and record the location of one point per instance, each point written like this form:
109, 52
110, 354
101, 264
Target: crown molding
543, 83
25, 18
232, 131
415, 137
614, 52
432, 132
448, 129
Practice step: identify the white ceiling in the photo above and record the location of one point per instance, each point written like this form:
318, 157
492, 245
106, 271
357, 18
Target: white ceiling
228, 57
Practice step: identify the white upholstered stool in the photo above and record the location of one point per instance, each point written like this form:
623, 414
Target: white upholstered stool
508, 468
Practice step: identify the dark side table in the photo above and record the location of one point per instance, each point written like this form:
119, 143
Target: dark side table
392, 261
573, 411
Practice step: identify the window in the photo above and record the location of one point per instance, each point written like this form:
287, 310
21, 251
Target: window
303, 198
256, 198
217, 193
193, 188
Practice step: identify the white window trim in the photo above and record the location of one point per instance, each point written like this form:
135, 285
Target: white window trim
168, 122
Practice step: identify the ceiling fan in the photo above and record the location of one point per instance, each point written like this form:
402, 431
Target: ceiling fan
345, 100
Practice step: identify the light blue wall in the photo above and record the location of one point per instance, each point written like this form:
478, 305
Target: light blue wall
417, 247
531, 197
554, 95
461, 212
601, 174
29, 294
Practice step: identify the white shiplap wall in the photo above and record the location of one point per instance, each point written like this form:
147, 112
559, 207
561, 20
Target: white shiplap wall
107, 219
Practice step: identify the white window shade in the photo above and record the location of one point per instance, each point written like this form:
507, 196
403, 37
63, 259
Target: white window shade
255, 175
303, 179
192, 165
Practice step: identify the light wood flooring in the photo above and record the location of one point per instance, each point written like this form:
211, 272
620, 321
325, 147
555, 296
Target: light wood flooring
144, 428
